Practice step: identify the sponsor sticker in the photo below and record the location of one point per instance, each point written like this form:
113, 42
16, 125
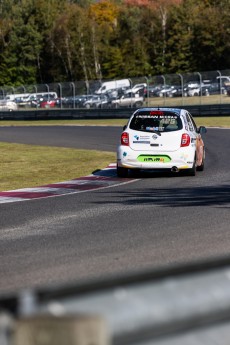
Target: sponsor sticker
154, 158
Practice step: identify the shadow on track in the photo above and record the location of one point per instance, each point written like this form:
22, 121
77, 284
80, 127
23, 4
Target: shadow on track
217, 196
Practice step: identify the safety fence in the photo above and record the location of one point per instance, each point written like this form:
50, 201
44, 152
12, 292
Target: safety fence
214, 110
183, 305
202, 88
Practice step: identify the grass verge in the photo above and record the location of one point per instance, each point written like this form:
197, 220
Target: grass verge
219, 121
30, 166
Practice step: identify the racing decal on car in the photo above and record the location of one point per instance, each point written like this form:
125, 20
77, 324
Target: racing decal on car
184, 156
155, 136
154, 158
142, 139
141, 142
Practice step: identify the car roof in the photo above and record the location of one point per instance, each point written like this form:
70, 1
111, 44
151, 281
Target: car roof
177, 111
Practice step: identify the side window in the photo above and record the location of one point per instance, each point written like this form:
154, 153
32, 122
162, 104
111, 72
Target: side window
190, 123
193, 122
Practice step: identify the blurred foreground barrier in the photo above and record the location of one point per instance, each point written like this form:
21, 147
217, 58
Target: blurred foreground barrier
186, 305
71, 330
58, 114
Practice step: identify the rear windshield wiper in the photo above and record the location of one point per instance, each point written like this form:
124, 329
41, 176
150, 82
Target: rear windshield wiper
156, 132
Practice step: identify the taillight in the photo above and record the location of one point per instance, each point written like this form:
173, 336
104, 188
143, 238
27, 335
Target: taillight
125, 139
185, 140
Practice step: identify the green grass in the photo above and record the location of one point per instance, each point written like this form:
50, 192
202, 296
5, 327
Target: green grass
31, 166
213, 121
219, 121
109, 122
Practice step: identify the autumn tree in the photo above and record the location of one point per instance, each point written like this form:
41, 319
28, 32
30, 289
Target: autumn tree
103, 24
46, 41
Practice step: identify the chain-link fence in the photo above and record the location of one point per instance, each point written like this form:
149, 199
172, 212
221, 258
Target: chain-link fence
202, 88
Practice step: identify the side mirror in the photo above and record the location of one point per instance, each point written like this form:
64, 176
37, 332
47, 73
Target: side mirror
124, 128
202, 130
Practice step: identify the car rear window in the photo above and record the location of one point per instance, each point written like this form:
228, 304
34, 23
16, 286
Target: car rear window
161, 121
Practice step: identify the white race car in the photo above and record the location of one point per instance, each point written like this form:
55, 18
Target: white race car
161, 139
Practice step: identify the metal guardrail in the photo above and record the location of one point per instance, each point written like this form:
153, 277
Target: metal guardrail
186, 305
47, 114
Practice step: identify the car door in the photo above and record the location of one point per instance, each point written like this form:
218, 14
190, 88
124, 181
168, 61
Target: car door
127, 100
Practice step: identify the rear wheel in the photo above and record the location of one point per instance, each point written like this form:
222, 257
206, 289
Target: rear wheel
134, 172
122, 172
138, 104
201, 167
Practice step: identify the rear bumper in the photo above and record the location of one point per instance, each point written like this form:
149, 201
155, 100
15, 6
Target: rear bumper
180, 159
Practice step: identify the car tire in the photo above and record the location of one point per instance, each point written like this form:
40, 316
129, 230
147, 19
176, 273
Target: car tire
122, 172
134, 172
201, 167
138, 104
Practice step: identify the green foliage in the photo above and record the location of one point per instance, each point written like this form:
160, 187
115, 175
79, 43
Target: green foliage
47, 41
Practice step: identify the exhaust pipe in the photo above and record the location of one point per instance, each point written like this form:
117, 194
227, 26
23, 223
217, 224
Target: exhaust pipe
175, 169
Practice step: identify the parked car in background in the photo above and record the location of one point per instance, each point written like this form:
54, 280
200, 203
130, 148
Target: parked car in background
8, 105
40, 96
96, 101
141, 89
163, 92
16, 96
116, 93
199, 90
112, 85
45, 101
176, 91
130, 99
170, 91
216, 89
76, 101
50, 103
190, 85
223, 80
153, 90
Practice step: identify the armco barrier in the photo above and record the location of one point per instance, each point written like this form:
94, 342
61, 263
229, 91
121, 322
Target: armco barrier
49, 114
186, 305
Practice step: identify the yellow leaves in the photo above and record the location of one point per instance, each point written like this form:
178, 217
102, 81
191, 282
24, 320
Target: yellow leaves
104, 12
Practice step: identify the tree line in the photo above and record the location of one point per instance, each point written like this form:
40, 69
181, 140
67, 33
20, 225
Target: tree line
47, 41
